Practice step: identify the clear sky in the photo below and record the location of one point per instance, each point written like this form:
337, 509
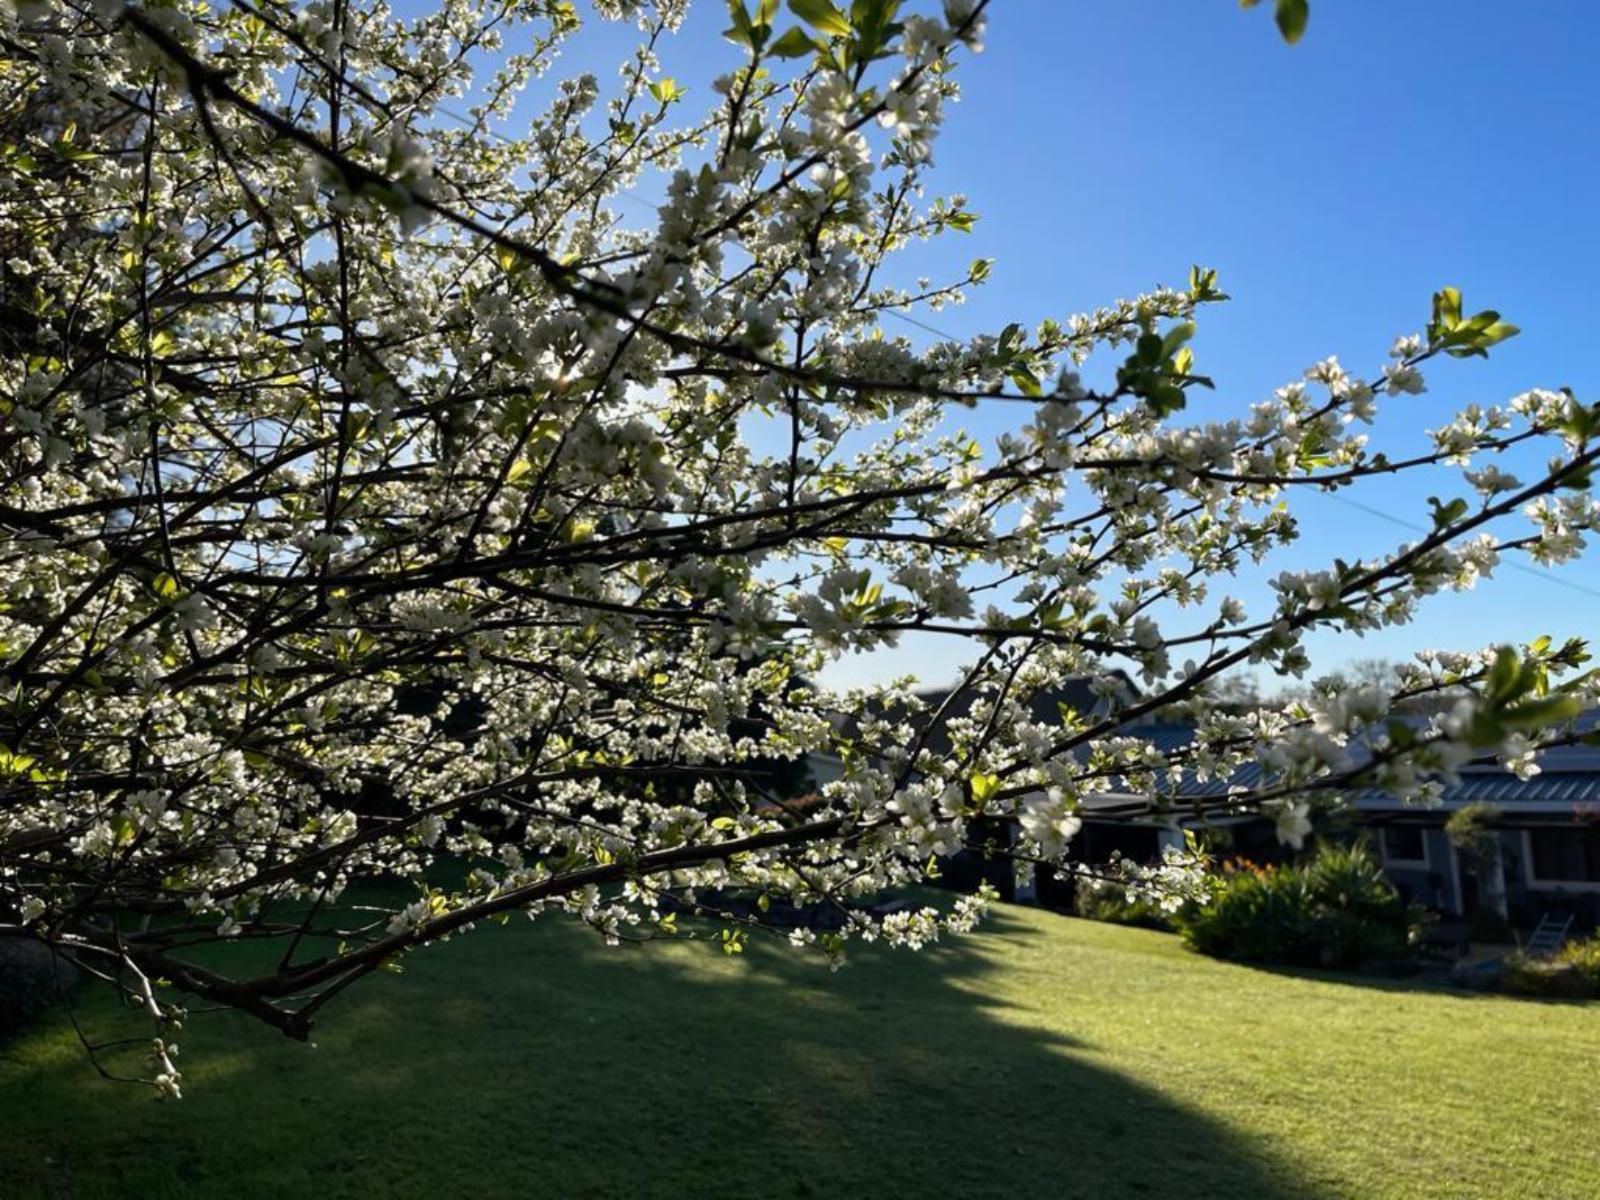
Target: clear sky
1335, 185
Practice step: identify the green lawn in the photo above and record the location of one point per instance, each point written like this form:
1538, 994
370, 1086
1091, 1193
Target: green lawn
1044, 1057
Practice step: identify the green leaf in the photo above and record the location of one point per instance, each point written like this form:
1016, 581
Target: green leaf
1580, 480
874, 24
1292, 18
1166, 399
743, 30
1539, 714
1469, 337
666, 90
1176, 337
1497, 332
980, 268
874, 13
1446, 514
1026, 381
1203, 285
165, 586
124, 828
822, 16
795, 43
1501, 682
1447, 307
983, 787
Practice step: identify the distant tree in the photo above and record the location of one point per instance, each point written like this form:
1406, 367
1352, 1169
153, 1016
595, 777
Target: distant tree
1237, 694
356, 448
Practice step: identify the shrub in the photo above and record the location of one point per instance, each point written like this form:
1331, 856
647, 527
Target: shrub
1337, 910
1574, 974
1584, 956
1261, 916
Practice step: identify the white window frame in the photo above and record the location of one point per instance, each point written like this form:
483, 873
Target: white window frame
1412, 864
1535, 884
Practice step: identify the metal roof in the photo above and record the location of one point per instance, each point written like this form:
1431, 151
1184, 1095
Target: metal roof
1568, 780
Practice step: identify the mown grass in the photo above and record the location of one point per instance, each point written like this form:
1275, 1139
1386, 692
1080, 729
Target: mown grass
1045, 1057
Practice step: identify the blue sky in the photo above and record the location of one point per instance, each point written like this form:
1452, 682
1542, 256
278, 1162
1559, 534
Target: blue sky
1335, 185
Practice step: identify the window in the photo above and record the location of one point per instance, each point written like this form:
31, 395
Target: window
1405, 844
1565, 856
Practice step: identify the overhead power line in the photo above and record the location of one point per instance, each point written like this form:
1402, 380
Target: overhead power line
1536, 572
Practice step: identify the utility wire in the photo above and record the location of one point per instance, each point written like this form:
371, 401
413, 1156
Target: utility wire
1547, 576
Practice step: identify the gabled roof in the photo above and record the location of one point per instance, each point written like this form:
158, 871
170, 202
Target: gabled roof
1568, 780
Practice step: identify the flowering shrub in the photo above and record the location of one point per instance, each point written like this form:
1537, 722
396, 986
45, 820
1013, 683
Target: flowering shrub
371, 492
1334, 910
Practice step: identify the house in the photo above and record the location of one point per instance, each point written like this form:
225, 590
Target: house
1543, 849
1131, 824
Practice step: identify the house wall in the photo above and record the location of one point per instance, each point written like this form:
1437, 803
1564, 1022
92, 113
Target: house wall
1451, 886
1433, 879
1529, 900
1522, 902
1098, 839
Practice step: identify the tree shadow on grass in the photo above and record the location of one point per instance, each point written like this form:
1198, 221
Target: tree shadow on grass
532, 1061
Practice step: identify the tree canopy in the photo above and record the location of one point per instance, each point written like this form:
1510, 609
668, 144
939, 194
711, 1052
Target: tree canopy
378, 490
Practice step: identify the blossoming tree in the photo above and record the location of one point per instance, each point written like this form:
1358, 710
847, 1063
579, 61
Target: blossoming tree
374, 492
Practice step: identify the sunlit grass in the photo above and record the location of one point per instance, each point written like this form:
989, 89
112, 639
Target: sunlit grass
1044, 1057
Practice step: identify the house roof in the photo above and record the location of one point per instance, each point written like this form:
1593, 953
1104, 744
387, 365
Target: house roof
1568, 778
1548, 792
